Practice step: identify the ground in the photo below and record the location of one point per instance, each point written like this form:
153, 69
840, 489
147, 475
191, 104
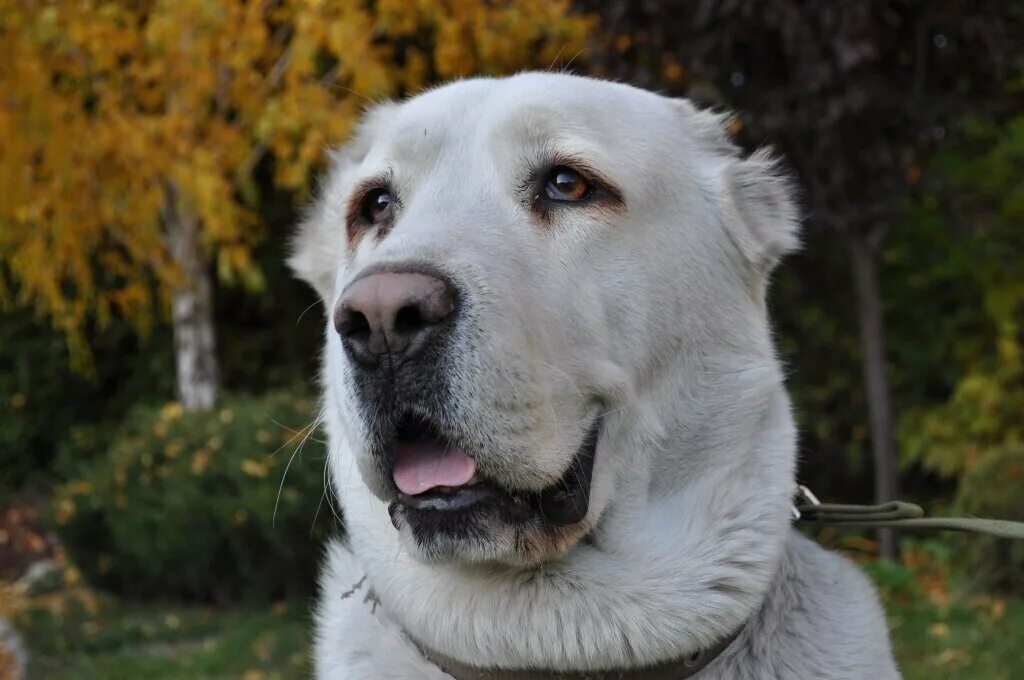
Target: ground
974, 639
167, 642
939, 627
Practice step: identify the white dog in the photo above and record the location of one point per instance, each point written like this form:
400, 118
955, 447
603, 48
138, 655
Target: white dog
558, 426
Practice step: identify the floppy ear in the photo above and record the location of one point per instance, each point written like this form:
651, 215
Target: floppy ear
761, 216
319, 245
765, 223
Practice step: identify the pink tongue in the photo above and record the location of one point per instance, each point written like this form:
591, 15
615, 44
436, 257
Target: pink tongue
423, 466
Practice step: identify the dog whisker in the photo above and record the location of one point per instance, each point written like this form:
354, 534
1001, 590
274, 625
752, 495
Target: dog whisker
298, 450
303, 313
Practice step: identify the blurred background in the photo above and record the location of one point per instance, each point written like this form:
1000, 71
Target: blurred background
162, 498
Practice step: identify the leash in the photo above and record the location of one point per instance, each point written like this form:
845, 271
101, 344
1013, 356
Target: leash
896, 515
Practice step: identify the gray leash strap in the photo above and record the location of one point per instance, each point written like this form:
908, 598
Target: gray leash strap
897, 515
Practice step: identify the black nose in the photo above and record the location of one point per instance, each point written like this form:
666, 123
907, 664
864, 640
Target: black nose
392, 313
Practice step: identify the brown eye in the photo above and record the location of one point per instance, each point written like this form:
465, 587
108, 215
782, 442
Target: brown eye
566, 185
376, 206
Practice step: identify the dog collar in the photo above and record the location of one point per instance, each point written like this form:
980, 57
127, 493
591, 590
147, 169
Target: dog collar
673, 669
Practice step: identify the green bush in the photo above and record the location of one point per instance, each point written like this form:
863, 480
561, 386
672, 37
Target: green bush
992, 488
192, 505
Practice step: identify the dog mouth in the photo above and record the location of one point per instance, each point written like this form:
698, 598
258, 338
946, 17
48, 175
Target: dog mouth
437, 481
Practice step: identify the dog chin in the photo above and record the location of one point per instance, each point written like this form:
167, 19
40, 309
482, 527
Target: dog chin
484, 535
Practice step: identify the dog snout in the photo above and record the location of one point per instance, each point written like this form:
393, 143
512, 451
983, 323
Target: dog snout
392, 313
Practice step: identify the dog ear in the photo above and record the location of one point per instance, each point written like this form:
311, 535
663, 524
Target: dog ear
765, 222
320, 241
761, 214
316, 246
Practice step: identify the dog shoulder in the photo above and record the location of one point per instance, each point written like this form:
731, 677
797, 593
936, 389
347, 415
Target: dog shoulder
355, 638
822, 599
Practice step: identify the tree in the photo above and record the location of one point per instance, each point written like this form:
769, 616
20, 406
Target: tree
855, 95
973, 247
130, 133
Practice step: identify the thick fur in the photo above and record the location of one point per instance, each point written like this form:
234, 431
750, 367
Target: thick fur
647, 311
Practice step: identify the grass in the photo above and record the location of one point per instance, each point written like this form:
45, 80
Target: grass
166, 642
945, 632
977, 638
941, 626
940, 630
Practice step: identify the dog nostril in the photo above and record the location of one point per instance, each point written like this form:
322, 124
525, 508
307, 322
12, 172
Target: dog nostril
409, 319
355, 326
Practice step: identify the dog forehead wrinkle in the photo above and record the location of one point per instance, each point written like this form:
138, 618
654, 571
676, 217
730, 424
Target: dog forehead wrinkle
417, 145
539, 127
547, 135
438, 117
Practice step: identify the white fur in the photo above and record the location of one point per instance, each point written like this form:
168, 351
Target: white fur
654, 316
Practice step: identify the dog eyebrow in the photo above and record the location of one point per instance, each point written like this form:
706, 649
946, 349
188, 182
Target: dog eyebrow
589, 170
353, 229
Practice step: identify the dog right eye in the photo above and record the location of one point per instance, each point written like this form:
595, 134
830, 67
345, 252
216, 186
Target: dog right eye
565, 185
376, 206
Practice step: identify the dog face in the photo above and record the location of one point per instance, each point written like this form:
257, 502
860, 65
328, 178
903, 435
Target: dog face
515, 273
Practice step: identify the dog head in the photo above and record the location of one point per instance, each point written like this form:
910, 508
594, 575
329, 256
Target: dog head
545, 300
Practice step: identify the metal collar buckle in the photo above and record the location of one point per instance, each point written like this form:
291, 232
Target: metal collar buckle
803, 493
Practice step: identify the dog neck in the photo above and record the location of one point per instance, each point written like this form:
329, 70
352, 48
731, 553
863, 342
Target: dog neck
682, 555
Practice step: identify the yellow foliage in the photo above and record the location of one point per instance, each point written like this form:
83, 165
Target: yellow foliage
65, 511
200, 461
254, 468
984, 413
104, 105
171, 411
173, 449
80, 487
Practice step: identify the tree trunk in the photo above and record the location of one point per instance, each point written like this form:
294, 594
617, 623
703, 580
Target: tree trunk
195, 354
864, 262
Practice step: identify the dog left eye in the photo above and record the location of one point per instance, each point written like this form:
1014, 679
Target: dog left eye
376, 206
566, 185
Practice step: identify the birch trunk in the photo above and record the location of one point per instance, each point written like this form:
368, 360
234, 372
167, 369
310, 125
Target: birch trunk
195, 354
864, 263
